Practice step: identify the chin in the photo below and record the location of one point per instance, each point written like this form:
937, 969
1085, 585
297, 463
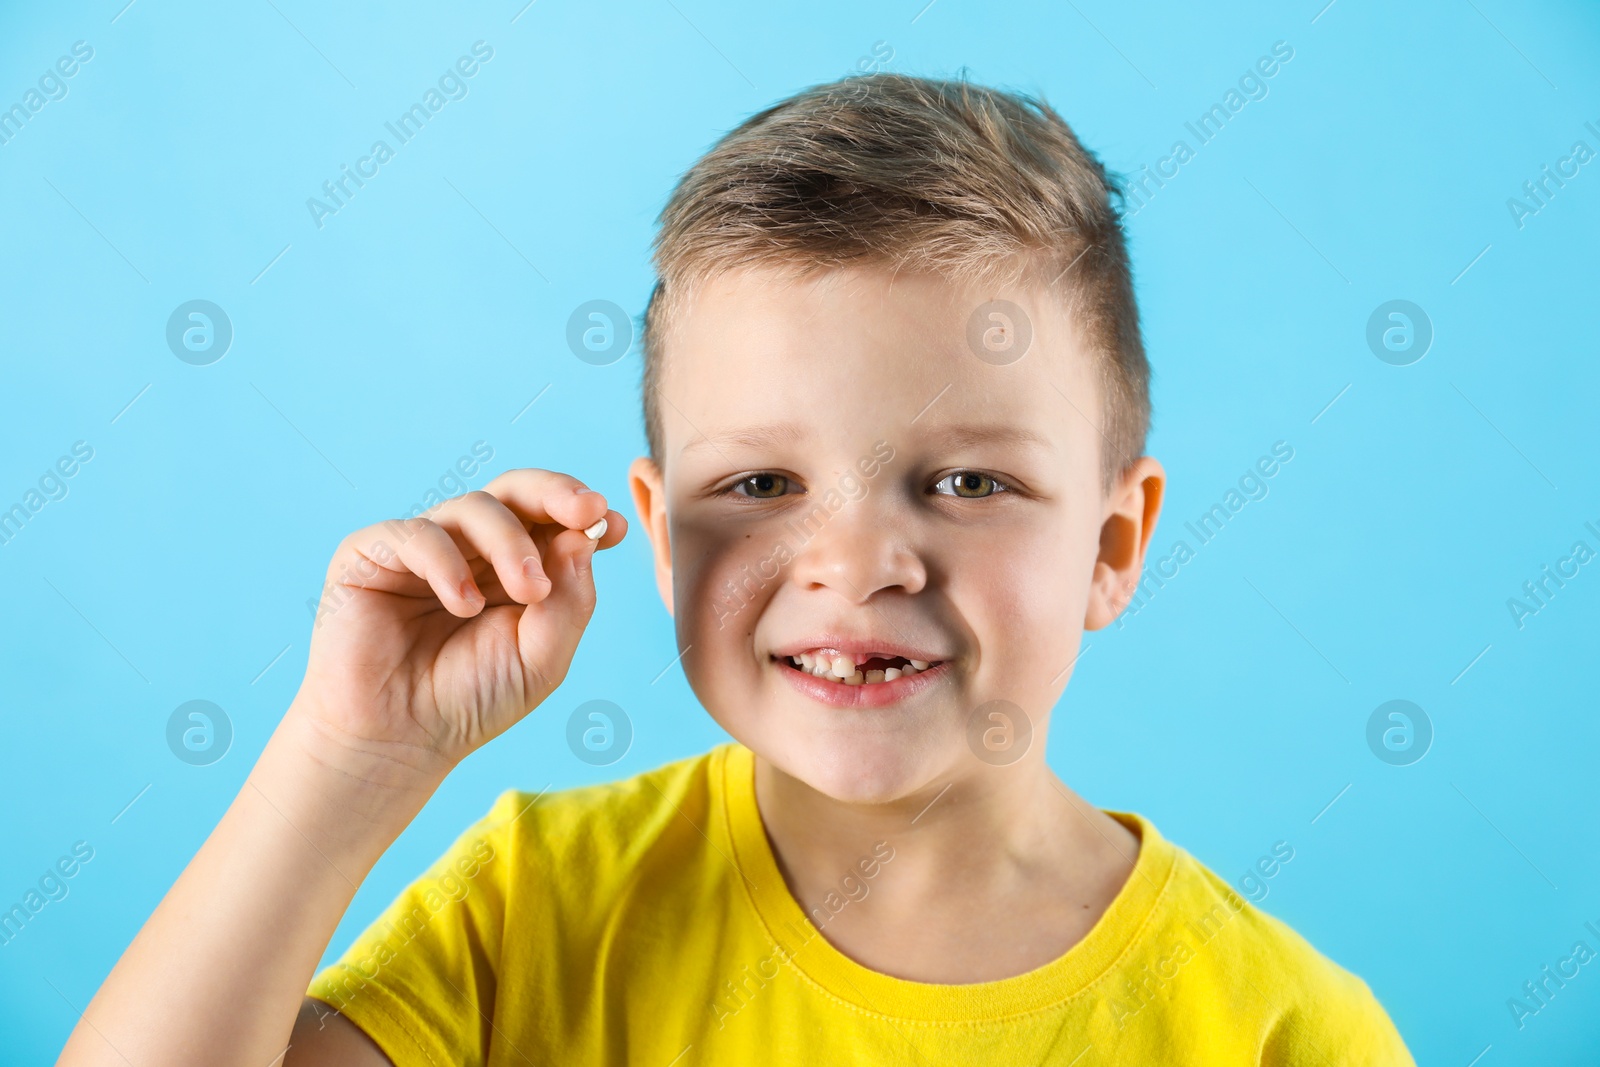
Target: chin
857, 764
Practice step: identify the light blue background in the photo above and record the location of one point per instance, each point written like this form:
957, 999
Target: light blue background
427, 313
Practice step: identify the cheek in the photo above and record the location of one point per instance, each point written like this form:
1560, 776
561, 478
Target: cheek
1028, 592
722, 576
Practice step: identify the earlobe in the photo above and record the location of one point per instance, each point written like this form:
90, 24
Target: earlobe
650, 501
1130, 520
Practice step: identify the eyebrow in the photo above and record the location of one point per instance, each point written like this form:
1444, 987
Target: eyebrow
958, 436
965, 435
781, 433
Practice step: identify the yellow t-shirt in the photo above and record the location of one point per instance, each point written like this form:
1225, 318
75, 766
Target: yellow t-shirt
646, 922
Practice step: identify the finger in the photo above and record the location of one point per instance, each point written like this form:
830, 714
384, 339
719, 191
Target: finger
543, 496
616, 530
487, 529
548, 633
429, 552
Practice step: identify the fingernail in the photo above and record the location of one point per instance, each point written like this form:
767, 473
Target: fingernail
580, 490
531, 569
469, 591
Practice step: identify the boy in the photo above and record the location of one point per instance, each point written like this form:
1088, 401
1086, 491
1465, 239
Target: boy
896, 403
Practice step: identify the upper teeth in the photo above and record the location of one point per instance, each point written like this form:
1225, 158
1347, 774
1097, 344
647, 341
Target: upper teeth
843, 668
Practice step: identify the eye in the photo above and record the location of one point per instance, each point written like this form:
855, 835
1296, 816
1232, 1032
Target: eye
970, 485
764, 486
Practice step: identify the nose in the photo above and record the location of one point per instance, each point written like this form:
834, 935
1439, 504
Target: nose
856, 551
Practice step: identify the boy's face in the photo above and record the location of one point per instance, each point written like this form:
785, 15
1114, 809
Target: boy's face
842, 468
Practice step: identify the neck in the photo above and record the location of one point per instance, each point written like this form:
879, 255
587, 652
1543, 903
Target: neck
988, 827
960, 814
898, 886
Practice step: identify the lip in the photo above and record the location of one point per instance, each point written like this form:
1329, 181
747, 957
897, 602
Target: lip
873, 695
854, 646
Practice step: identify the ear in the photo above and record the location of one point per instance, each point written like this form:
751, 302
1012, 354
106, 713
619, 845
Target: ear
650, 501
1131, 512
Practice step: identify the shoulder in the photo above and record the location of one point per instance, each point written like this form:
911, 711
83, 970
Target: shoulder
644, 795
1307, 1008
592, 836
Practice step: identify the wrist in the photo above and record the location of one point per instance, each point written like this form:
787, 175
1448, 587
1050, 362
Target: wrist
329, 734
350, 803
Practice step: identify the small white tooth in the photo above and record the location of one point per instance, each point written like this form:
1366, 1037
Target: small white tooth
908, 669
876, 676
597, 531
854, 678
892, 673
920, 664
807, 659
842, 666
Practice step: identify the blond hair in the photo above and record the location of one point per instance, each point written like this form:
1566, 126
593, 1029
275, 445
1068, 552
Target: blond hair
919, 174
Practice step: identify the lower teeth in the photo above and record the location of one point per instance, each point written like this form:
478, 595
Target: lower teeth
857, 677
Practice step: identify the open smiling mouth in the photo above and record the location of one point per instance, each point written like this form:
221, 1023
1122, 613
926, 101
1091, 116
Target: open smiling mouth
843, 668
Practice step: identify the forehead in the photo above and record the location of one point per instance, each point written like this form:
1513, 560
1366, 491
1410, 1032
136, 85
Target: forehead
759, 357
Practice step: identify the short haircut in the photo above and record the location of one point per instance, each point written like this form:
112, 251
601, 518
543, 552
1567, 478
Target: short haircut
920, 174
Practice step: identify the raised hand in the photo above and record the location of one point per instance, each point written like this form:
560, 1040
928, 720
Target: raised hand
437, 634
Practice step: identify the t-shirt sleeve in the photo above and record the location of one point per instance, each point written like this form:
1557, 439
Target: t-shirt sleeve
420, 981
1351, 1028
1313, 1012
1323, 1014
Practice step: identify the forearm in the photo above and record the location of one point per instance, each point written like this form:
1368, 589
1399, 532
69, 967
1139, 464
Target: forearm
217, 974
